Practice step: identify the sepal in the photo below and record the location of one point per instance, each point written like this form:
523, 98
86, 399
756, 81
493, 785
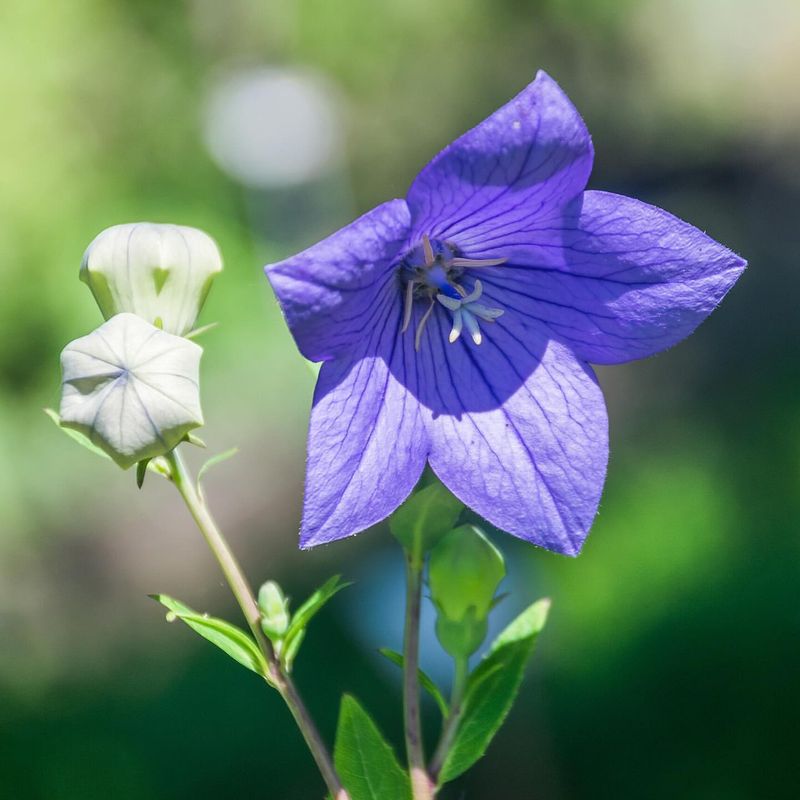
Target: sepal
420, 522
461, 638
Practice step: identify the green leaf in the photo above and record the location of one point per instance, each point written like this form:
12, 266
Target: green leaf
214, 460
231, 640
492, 688
425, 681
306, 612
76, 435
425, 517
365, 762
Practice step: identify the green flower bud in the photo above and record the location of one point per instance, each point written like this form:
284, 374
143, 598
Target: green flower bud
131, 389
274, 609
464, 573
161, 273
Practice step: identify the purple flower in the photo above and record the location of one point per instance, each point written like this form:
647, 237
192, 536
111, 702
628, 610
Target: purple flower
457, 327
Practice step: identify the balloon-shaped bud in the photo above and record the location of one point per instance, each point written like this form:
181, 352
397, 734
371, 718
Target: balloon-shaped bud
161, 273
274, 609
131, 388
464, 573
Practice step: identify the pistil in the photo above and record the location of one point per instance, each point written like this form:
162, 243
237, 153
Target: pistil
436, 278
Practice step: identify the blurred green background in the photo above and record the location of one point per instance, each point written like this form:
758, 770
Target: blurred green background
669, 668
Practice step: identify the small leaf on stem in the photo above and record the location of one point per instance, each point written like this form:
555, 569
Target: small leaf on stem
289, 651
425, 680
213, 461
305, 614
231, 640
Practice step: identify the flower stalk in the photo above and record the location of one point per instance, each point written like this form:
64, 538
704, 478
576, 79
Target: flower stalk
450, 727
243, 592
422, 786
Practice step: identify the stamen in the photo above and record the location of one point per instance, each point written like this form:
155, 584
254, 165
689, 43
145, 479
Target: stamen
466, 312
409, 305
428, 250
477, 262
421, 326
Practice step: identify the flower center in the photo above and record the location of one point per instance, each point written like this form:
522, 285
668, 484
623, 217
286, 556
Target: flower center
431, 271
429, 268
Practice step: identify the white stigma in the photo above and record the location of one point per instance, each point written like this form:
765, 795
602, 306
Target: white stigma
466, 312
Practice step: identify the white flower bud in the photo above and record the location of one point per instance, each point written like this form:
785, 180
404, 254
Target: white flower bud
131, 388
161, 273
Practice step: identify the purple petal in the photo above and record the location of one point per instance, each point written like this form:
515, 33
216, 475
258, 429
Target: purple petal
518, 432
333, 293
529, 157
616, 279
367, 442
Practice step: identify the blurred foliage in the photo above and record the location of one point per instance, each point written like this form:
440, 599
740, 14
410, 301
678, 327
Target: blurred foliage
668, 666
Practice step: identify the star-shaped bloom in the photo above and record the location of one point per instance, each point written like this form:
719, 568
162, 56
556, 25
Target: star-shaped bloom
510, 417
131, 388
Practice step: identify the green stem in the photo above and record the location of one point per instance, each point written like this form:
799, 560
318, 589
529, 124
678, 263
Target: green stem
453, 718
421, 784
243, 593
